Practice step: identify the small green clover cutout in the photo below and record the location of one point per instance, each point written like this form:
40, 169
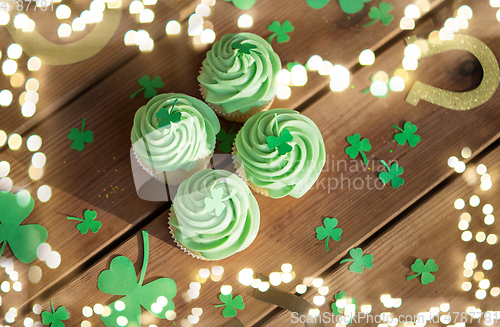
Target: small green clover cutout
357, 147
359, 260
231, 304
55, 318
407, 135
149, 86
226, 139
317, 4
22, 239
392, 175
167, 118
343, 296
280, 142
88, 223
425, 271
352, 6
243, 47
216, 202
328, 231
280, 31
243, 4
381, 13
79, 138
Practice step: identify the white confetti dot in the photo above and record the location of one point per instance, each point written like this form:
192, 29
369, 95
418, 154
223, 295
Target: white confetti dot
43, 251
87, 311
54, 260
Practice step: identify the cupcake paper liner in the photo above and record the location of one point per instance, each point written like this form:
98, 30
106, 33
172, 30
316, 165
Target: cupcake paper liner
240, 171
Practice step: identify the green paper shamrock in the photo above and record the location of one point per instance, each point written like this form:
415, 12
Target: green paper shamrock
243, 4
149, 86
280, 31
408, 134
343, 296
392, 175
215, 201
352, 6
424, 270
79, 138
88, 222
22, 239
226, 139
243, 47
357, 147
156, 297
359, 260
290, 65
381, 13
328, 231
231, 304
55, 318
167, 118
280, 142
317, 4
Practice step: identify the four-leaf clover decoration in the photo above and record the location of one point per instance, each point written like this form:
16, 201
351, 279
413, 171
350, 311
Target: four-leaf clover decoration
425, 271
149, 86
280, 142
280, 31
352, 6
359, 260
339, 309
408, 134
231, 304
226, 139
243, 4
357, 147
88, 223
22, 239
392, 175
216, 202
156, 297
79, 138
55, 318
243, 47
328, 231
167, 117
381, 13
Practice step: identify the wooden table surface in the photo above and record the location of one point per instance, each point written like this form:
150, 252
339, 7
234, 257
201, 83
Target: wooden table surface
396, 226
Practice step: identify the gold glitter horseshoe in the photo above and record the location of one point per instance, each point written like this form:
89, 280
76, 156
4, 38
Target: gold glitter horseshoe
34, 44
458, 100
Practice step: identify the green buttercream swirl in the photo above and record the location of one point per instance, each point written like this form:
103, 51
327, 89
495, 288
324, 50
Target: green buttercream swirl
181, 144
293, 173
215, 236
237, 80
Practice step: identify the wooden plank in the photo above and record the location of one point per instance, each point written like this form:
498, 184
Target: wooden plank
430, 231
76, 174
60, 84
360, 213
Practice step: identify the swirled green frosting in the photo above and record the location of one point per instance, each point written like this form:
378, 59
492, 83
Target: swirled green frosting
180, 144
238, 78
199, 227
293, 173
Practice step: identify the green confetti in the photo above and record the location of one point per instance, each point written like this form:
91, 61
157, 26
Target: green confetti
231, 304
168, 117
79, 138
226, 139
88, 223
359, 260
352, 6
280, 142
149, 86
280, 31
357, 147
243, 4
22, 239
425, 271
343, 296
328, 231
407, 135
381, 13
156, 297
317, 4
55, 318
243, 47
392, 175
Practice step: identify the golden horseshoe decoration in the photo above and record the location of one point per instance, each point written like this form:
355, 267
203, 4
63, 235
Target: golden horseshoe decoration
458, 100
34, 44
